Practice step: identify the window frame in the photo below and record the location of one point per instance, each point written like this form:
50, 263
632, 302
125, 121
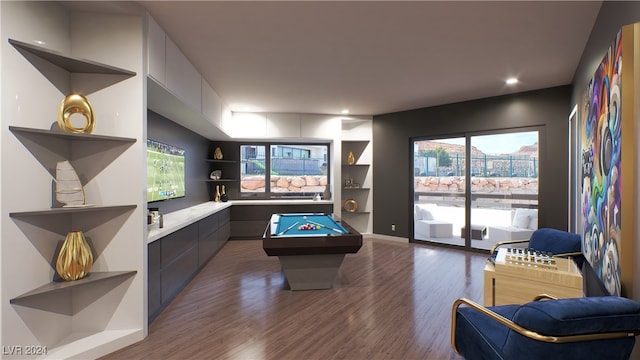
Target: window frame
268, 194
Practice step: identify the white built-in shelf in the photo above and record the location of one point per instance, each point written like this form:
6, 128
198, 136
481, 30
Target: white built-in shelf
220, 180
356, 188
90, 304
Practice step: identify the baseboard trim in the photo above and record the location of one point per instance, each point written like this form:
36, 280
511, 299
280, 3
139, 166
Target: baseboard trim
388, 238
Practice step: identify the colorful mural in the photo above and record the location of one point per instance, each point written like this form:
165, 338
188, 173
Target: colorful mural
600, 145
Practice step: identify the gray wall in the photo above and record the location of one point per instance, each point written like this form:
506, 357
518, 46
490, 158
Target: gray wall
196, 148
546, 110
613, 15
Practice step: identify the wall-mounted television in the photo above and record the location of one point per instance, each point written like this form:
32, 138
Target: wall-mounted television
165, 171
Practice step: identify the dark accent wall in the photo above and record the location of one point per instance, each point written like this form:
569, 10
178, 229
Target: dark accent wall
546, 110
196, 147
612, 16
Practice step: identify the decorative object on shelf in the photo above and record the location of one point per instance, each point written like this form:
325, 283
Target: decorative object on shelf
215, 175
349, 183
350, 205
351, 159
223, 196
216, 197
153, 216
69, 189
75, 258
76, 104
217, 154
316, 197
327, 193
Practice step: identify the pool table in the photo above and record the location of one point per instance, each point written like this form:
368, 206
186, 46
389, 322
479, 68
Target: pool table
311, 247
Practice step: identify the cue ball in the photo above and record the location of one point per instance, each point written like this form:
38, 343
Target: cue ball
304, 217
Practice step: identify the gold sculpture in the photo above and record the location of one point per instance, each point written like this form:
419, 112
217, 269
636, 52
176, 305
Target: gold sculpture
351, 159
216, 197
76, 104
217, 154
350, 205
75, 258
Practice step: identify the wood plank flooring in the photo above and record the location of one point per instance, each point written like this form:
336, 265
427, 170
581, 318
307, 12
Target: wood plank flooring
391, 301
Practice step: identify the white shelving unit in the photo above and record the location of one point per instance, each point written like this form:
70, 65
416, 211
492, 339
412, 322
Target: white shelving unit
356, 139
106, 310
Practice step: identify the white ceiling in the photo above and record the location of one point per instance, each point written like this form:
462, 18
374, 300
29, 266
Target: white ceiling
375, 57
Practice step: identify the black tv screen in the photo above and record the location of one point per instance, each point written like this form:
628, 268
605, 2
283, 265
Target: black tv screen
165, 171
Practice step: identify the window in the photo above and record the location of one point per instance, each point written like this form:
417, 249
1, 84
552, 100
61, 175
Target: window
289, 170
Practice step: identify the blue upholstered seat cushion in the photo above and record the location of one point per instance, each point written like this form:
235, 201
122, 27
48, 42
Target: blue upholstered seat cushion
555, 241
579, 316
477, 336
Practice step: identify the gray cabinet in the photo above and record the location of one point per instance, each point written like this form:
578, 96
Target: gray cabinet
176, 258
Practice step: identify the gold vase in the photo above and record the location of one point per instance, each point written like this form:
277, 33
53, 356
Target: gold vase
76, 104
75, 258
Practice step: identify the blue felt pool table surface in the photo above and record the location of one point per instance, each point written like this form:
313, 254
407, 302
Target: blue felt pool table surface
282, 236
323, 224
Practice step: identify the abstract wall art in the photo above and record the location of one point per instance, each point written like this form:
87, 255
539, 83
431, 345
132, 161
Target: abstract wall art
607, 164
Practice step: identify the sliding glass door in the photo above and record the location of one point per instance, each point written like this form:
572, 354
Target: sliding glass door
504, 187
439, 190
474, 204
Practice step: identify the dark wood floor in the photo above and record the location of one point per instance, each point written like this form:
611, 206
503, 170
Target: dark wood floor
391, 301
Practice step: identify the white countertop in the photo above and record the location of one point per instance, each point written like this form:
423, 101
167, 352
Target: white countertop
281, 202
177, 220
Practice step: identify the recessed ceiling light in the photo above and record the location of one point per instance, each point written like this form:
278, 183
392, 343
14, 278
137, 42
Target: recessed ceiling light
39, 42
345, 111
511, 81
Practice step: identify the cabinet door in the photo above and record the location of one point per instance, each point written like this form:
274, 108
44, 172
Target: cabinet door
249, 125
208, 242
183, 80
156, 51
211, 105
178, 274
154, 278
283, 125
319, 126
174, 245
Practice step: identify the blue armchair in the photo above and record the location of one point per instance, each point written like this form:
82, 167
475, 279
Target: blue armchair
556, 242
578, 328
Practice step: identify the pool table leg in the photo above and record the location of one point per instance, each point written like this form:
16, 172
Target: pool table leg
308, 272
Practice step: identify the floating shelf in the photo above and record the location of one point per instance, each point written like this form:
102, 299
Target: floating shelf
219, 180
54, 288
54, 211
69, 74
69, 136
356, 188
89, 154
221, 161
72, 65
